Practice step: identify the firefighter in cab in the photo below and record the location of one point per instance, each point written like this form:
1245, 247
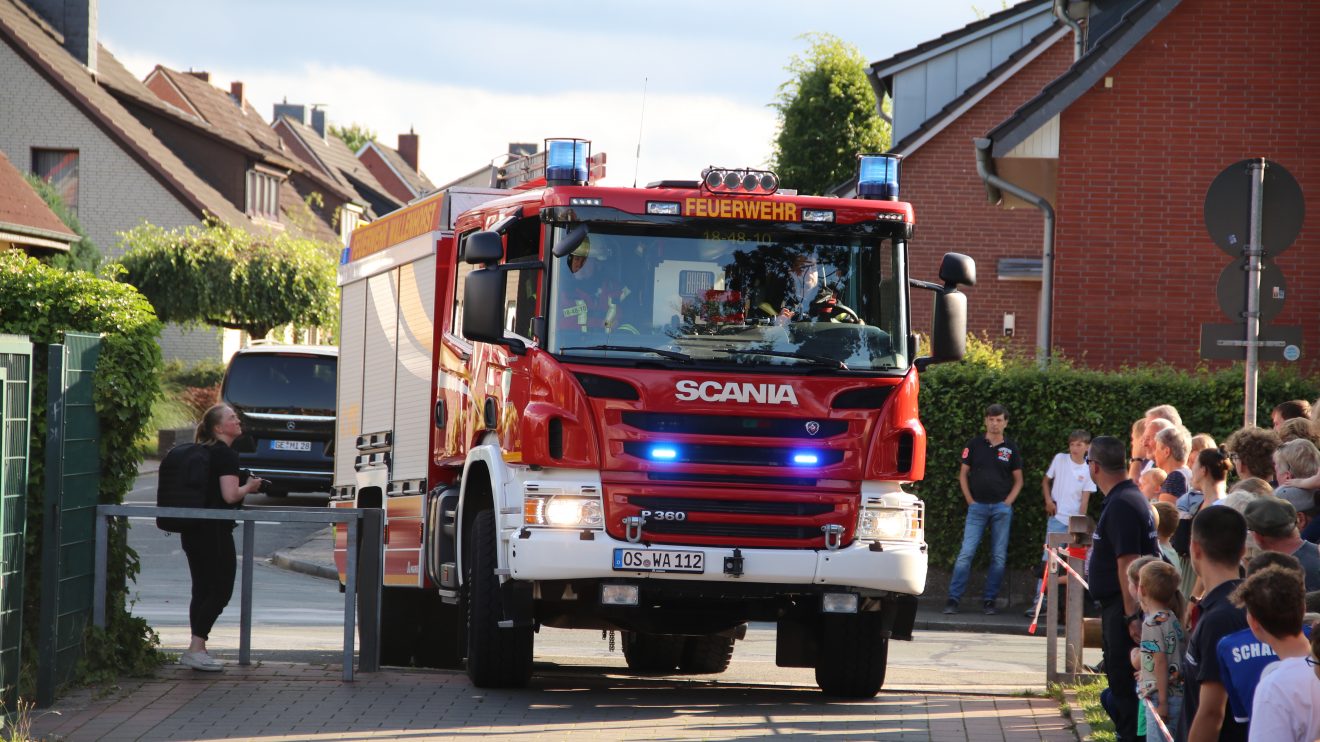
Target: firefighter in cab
808, 298
592, 298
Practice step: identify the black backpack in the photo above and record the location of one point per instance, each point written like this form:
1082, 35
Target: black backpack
184, 475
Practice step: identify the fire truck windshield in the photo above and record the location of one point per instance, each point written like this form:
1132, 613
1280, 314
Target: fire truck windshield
721, 298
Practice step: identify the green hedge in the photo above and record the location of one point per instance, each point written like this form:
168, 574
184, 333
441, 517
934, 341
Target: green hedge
41, 302
1044, 407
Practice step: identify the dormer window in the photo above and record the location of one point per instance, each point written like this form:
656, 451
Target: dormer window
263, 195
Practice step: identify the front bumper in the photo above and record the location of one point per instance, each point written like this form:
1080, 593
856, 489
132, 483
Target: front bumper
545, 554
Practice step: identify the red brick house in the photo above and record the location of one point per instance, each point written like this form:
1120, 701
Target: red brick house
397, 169
1123, 143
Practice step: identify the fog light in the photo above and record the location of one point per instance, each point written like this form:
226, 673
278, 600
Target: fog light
619, 594
838, 603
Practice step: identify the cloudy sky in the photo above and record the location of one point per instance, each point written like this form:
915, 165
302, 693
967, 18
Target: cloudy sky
470, 77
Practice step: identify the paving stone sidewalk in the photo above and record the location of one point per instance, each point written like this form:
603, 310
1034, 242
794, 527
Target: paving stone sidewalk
278, 701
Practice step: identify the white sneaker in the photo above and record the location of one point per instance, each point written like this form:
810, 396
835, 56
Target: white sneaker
201, 661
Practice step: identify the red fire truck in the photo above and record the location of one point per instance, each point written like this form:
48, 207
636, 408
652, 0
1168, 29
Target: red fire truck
666, 411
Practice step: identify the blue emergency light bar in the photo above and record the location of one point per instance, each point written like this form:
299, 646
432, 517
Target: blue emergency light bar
877, 177
566, 161
806, 458
664, 453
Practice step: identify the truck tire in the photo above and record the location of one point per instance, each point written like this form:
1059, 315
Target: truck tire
652, 653
853, 655
496, 657
706, 655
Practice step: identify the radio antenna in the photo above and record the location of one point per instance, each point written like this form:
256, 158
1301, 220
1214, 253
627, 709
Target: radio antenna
637, 159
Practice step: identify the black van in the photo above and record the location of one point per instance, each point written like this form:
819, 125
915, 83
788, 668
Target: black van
285, 396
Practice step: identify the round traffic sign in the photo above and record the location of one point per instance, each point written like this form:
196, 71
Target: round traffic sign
1232, 289
1228, 208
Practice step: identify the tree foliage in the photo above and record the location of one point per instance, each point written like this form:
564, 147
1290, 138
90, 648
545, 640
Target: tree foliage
228, 277
827, 116
42, 302
353, 135
82, 255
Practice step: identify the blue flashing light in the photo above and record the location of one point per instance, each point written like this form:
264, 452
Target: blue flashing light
877, 177
664, 453
566, 160
343, 256
806, 458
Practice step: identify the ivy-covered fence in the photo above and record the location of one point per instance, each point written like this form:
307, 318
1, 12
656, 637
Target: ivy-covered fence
1044, 407
41, 302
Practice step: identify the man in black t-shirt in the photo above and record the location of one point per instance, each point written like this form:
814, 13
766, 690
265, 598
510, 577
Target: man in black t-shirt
1125, 532
1219, 539
990, 478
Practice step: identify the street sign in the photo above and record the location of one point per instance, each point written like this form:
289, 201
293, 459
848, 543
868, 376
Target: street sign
1232, 289
1228, 208
1224, 342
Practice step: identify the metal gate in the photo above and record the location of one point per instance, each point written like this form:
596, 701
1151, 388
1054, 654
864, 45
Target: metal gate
15, 427
73, 483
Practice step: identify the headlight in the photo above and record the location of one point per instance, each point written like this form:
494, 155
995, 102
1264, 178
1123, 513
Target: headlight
891, 524
561, 511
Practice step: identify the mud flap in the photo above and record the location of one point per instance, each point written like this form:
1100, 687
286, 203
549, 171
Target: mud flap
516, 597
899, 615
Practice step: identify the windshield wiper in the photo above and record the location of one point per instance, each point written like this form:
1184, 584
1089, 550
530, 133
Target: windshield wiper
670, 354
818, 360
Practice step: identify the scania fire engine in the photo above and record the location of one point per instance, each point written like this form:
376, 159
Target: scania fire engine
663, 411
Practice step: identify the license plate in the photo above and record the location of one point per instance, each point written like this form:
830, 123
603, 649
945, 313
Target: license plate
291, 445
654, 560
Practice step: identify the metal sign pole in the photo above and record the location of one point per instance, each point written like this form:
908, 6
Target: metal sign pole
1257, 174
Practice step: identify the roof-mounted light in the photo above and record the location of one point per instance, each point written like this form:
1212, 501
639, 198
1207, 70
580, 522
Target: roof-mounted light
566, 161
877, 176
747, 181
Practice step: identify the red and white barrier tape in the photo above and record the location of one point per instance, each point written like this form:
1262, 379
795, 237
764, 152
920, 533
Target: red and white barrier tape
1160, 722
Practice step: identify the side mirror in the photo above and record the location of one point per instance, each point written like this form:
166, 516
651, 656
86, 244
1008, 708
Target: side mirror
570, 242
948, 337
483, 248
957, 269
483, 308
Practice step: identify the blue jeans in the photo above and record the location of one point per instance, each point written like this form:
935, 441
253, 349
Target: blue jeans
1052, 525
998, 516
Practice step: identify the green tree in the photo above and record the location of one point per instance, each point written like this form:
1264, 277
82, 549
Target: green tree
353, 135
228, 277
82, 255
827, 116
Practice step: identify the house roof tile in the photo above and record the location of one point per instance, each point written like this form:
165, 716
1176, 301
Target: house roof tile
333, 157
419, 183
22, 211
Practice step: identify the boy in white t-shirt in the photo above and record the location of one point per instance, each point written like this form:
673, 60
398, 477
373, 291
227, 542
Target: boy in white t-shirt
1286, 704
1067, 486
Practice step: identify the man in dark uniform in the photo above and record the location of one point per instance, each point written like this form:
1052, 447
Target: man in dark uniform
990, 478
807, 298
590, 300
1125, 532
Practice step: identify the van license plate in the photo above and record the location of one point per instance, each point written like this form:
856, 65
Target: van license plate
291, 445
654, 560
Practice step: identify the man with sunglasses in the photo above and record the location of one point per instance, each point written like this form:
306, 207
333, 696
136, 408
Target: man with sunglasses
1125, 532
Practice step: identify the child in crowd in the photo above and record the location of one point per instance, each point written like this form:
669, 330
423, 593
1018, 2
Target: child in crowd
1166, 522
1200, 442
1134, 626
1163, 643
1067, 488
1286, 704
1151, 481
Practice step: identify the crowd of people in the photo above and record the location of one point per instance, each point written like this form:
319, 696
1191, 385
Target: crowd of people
1204, 565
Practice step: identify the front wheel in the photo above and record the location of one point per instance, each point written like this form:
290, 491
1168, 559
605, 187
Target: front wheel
496, 657
854, 653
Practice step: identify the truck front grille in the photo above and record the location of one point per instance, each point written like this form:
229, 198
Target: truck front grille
741, 507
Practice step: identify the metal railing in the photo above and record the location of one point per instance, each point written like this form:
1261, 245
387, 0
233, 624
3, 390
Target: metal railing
362, 589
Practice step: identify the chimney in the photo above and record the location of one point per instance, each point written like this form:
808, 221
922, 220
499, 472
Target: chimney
203, 76
318, 119
408, 149
76, 20
287, 110
236, 92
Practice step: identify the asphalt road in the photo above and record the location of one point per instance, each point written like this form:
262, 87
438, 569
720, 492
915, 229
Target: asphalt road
299, 618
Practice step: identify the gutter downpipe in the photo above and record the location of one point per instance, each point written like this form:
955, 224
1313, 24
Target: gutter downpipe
985, 167
1061, 12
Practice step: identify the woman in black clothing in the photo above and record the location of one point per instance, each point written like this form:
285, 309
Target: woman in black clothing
209, 544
